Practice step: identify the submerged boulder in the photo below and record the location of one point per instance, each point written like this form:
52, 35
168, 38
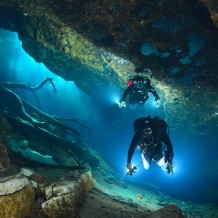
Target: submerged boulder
17, 197
4, 159
170, 210
65, 197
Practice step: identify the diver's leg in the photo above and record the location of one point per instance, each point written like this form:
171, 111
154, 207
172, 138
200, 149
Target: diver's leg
132, 103
161, 162
133, 99
145, 161
158, 155
143, 99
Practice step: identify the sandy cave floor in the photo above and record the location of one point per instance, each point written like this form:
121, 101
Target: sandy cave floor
111, 197
98, 204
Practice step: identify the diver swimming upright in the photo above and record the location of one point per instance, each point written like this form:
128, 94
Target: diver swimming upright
150, 134
138, 89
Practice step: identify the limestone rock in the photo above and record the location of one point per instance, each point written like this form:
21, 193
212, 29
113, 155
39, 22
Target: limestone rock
212, 8
170, 210
12, 185
32, 175
17, 198
4, 159
5, 128
69, 196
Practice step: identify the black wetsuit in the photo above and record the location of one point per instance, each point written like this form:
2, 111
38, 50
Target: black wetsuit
138, 93
153, 146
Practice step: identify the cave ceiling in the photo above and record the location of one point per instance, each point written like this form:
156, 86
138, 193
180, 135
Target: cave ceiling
98, 44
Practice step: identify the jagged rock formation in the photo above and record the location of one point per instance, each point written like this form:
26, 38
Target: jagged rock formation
212, 8
170, 210
5, 161
19, 194
5, 130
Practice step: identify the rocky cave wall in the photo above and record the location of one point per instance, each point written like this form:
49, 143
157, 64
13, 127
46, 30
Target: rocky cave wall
98, 44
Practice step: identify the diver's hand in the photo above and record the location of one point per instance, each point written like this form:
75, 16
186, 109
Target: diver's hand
169, 167
122, 104
129, 166
130, 169
157, 102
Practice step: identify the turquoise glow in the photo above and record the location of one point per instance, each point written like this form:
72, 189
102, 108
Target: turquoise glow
18, 66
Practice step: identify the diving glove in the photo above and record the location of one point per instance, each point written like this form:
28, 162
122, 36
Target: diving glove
157, 102
169, 167
130, 169
121, 104
168, 156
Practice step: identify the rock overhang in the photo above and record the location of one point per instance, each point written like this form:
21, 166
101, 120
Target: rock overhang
73, 39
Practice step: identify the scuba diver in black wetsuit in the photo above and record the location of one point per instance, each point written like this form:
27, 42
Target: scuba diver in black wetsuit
138, 89
149, 136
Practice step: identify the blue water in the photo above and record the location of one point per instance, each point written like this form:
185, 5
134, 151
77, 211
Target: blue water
193, 179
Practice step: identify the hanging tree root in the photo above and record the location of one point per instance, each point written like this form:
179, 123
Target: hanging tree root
75, 121
49, 119
28, 112
31, 123
32, 89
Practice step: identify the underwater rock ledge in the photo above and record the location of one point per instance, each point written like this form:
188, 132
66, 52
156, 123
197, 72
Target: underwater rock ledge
21, 196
